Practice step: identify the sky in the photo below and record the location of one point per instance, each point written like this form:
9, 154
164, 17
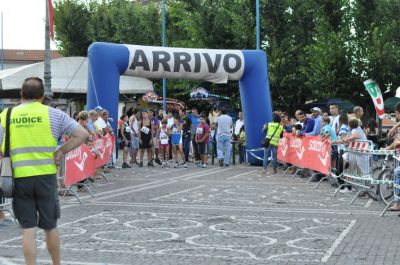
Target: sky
23, 24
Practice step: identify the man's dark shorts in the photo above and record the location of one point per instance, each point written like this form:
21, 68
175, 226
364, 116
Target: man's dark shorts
36, 202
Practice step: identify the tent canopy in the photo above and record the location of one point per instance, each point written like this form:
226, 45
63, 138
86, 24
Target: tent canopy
69, 75
390, 103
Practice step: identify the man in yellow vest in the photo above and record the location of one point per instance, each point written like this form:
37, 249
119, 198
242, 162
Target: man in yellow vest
274, 131
34, 131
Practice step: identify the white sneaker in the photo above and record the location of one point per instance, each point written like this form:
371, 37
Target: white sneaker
204, 165
345, 190
176, 165
184, 165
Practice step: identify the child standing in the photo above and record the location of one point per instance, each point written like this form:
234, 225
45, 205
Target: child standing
202, 139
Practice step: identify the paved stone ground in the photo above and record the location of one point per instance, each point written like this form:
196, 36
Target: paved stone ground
231, 215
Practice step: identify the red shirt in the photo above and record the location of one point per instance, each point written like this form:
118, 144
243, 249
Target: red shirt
203, 129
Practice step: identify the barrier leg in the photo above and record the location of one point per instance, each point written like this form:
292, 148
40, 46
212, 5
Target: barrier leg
312, 176
387, 207
338, 189
86, 187
297, 172
355, 197
68, 189
105, 177
287, 169
319, 182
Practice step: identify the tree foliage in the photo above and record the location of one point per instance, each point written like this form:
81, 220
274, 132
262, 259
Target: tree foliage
316, 49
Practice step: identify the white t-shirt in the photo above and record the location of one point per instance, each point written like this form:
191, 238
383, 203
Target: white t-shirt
335, 123
238, 126
134, 125
224, 125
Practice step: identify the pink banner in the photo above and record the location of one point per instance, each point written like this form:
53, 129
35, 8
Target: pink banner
306, 152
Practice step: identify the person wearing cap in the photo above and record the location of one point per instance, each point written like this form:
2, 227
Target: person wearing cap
34, 131
317, 122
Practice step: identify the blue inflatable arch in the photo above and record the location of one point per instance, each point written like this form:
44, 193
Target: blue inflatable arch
108, 61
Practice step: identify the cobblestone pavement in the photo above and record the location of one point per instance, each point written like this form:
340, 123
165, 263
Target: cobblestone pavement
232, 215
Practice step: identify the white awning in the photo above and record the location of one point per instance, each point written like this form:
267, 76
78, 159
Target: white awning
69, 75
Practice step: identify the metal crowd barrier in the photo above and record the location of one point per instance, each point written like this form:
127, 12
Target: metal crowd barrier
359, 172
395, 184
63, 191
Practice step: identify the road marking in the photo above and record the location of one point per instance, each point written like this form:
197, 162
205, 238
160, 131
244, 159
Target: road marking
46, 261
237, 208
338, 241
179, 192
157, 184
4, 261
243, 174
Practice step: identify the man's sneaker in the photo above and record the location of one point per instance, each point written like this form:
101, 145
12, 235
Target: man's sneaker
132, 162
226, 165
158, 161
141, 164
204, 165
176, 165
221, 162
184, 165
150, 164
125, 165
274, 171
345, 190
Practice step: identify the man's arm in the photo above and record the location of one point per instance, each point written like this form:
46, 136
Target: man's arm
78, 136
393, 130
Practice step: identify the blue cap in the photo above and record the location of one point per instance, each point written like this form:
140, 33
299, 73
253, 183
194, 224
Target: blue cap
98, 109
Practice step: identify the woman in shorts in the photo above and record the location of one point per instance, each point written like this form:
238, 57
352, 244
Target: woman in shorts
176, 141
164, 142
145, 139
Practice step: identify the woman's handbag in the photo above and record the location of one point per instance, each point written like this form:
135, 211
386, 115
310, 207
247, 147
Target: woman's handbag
6, 176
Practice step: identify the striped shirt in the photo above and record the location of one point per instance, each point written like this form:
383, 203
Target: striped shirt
60, 123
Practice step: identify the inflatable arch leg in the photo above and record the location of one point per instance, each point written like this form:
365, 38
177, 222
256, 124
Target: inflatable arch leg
107, 62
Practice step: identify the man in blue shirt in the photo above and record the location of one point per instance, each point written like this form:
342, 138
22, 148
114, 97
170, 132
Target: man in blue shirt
308, 123
317, 122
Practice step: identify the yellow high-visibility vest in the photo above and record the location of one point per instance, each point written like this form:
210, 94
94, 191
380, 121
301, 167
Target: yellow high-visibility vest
272, 126
32, 144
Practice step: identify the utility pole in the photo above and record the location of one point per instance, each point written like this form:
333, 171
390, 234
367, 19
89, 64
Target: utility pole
164, 81
47, 56
257, 24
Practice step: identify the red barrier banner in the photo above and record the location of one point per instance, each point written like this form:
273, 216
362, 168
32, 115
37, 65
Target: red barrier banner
306, 152
103, 147
79, 164
82, 162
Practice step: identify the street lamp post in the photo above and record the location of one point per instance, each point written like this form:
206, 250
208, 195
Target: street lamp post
164, 83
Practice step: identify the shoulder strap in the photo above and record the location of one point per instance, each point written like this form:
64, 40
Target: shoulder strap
7, 138
272, 136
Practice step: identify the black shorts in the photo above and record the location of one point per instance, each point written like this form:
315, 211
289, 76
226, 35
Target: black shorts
145, 144
202, 148
36, 202
126, 143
